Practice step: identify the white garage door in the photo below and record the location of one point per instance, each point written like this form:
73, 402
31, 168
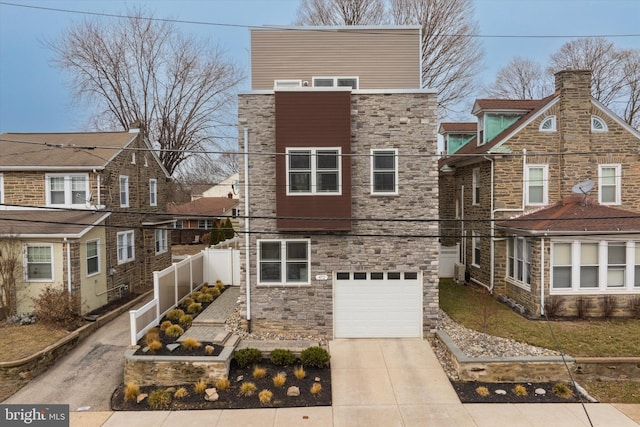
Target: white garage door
377, 304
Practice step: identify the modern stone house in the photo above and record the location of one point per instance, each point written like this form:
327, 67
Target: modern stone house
544, 201
84, 209
337, 183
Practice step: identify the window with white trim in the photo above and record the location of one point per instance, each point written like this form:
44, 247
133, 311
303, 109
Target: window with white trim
562, 266
205, 224
153, 192
313, 171
616, 264
636, 268
280, 84
536, 188
519, 259
1, 189
549, 124
384, 171
475, 184
598, 125
589, 265
475, 240
161, 240
351, 82
93, 257
284, 262
67, 190
39, 262
124, 191
126, 249
609, 184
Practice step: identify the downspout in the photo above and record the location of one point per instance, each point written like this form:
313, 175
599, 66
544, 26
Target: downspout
542, 277
247, 240
98, 188
463, 240
491, 232
68, 265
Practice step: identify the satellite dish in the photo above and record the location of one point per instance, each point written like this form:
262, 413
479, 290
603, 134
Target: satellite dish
583, 187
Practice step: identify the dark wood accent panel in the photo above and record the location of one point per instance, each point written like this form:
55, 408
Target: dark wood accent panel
313, 120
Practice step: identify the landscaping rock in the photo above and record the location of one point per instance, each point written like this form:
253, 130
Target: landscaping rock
500, 392
141, 397
240, 378
293, 391
540, 391
317, 379
173, 346
211, 395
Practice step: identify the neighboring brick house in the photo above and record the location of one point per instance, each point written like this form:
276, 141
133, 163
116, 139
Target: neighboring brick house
341, 148
85, 209
508, 198
195, 219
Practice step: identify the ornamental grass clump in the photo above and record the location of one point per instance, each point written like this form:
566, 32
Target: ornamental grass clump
194, 308
482, 391
175, 315
222, 384
299, 372
265, 396
247, 389
174, 331
131, 391
280, 379
316, 389
259, 372
187, 302
159, 399
152, 335
562, 390
204, 298
154, 346
164, 325
186, 320
520, 390
190, 344
200, 387
180, 393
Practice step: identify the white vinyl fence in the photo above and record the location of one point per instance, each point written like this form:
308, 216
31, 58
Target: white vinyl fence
175, 283
449, 255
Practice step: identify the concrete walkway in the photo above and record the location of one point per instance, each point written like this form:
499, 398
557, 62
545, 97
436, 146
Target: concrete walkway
382, 383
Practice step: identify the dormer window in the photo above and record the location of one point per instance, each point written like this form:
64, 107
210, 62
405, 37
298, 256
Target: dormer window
548, 124
351, 82
494, 124
598, 125
455, 141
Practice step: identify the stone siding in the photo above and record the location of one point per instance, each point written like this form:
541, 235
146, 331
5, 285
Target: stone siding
403, 121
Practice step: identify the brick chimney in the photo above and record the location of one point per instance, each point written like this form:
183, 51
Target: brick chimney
575, 84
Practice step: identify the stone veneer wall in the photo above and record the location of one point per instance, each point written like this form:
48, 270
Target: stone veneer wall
403, 121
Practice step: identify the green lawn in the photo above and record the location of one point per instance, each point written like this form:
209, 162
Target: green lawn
596, 338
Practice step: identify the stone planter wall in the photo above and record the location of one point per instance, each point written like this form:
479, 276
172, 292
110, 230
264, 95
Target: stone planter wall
607, 368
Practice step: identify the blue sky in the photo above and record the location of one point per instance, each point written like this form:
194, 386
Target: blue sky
34, 96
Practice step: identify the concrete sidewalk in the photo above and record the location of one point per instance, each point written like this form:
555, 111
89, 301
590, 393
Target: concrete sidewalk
382, 383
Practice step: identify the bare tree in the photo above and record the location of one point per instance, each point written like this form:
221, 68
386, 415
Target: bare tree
141, 69
451, 54
10, 256
521, 79
631, 112
341, 12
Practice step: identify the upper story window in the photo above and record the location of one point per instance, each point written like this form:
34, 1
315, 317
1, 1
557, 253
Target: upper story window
39, 263
133, 158
492, 124
351, 82
475, 195
284, 262
126, 250
124, 191
548, 124
454, 142
67, 190
153, 192
609, 184
535, 187
281, 84
93, 257
598, 125
384, 171
313, 171
1, 189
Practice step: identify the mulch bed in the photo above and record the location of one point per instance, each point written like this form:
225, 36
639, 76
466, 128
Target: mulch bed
468, 394
230, 398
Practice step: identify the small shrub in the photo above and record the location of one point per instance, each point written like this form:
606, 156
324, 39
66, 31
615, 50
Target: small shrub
174, 331
265, 396
159, 399
299, 372
553, 306
219, 285
222, 384
583, 306
609, 304
634, 306
164, 325
215, 292
190, 343
186, 320
259, 373
154, 346
247, 356
55, 306
316, 388
562, 390
200, 387
187, 302
520, 390
247, 389
131, 391
204, 297
175, 315
152, 334
316, 357
180, 393
482, 391
280, 379
282, 357
209, 349
194, 308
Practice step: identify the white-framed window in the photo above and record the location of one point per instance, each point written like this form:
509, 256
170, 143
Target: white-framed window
549, 124
124, 191
636, 268
475, 185
280, 84
314, 171
39, 263
589, 265
384, 171
519, 259
153, 192
93, 257
161, 240
347, 81
146, 163
616, 264
561, 276
67, 190
609, 184
476, 243
1, 189
178, 224
598, 125
536, 188
284, 262
126, 246
205, 224
133, 158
